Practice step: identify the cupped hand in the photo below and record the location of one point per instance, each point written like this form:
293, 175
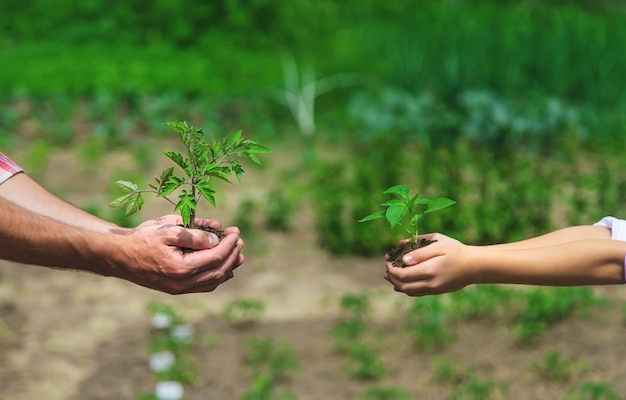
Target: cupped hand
175, 219
155, 255
435, 269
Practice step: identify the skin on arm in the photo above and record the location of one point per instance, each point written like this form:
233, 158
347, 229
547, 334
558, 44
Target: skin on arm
147, 256
583, 255
569, 234
27, 193
38, 228
21, 189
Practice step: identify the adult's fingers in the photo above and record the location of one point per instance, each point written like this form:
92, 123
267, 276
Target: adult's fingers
212, 285
195, 239
208, 222
222, 257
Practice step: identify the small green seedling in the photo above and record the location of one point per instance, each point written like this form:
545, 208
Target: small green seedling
408, 208
203, 162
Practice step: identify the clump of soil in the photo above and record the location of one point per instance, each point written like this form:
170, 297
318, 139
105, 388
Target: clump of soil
396, 254
218, 232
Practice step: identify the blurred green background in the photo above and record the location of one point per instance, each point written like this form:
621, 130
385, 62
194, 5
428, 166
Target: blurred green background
515, 109
512, 108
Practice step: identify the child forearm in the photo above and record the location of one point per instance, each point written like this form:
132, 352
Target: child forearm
565, 235
584, 262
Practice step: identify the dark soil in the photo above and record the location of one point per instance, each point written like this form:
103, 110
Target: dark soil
218, 232
396, 254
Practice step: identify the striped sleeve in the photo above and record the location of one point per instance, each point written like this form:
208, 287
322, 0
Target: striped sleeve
7, 168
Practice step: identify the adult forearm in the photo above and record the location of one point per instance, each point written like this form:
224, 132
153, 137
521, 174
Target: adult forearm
585, 262
25, 192
28, 237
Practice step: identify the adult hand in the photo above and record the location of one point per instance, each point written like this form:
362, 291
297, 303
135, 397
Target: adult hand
156, 255
434, 269
175, 219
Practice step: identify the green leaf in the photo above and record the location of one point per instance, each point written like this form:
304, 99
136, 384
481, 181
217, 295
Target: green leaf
439, 203
177, 158
254, 147
393, 202
395, 213
205, 190
238, 170
400, 190
131, 202
416, 219
233, 140
170, 185
127, 186
134, 204
375, 215
121, 201
185, 205
165, 176
254, 158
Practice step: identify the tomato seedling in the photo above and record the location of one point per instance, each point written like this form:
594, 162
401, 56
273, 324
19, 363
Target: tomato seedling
204, 161
407, 212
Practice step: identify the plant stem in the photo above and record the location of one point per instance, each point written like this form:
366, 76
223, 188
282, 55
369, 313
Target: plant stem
192, 216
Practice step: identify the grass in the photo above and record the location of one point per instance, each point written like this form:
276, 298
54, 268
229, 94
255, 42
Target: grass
79, 70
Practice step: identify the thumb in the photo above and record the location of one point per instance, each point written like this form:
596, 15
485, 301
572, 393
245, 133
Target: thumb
195, 239
422, 254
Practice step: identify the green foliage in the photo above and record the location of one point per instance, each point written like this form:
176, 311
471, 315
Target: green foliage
427, 321
352, 326
451, 372
244, 217
408, 208
355, 305
243, 312
554, 367
384, 393
38, 157
477, 389
166, 312
203, 162
593, 391
173, 337
279, 210
465, 382
271, 357
546, 306
346, 332
364, 362
341, 192
480, 301
531, 48
263, 389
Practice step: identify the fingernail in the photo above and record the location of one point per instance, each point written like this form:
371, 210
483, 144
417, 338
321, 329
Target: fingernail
407, 259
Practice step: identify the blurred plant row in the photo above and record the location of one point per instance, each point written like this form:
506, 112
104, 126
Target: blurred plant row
489, 103
430, 324
365, 349
515, 168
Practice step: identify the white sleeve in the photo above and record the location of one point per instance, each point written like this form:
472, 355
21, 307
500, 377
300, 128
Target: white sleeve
617, 227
